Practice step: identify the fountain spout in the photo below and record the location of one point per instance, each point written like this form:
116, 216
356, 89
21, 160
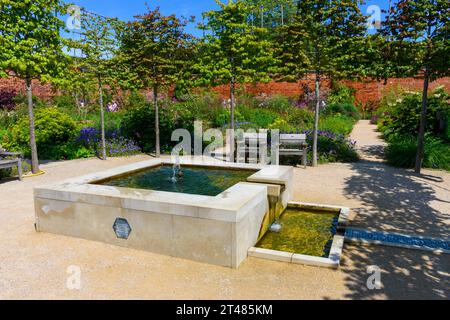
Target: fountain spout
176, 169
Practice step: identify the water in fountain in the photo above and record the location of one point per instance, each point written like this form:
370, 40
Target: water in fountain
176, 169
275, 227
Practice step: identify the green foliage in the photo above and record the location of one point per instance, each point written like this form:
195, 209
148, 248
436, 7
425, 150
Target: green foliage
55, 131
417, 36
64, 102
138, 124
278, 103
30, 42
232, 50
335, 150
402, 117
401, 152
135, 100
341, 95
260, 118
325, 36
339, 124
281, 125
300, 118
153, 50
346, 109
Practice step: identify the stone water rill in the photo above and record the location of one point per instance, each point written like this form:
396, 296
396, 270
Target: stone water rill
217, 229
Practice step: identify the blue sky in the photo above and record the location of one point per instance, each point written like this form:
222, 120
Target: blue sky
125, 10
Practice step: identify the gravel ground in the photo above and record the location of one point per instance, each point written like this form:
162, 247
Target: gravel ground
34, 265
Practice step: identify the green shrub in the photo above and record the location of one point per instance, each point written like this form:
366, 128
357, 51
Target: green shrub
135, 100
10, 117
282, 125
335, 150
54, 133
346, 109
279, 103
260, 118
138, 124
64, 102
341, 95
403, 116
299, 118
338, 124
401, 152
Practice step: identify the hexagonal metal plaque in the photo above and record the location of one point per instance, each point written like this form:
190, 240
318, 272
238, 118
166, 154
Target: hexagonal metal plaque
122, 228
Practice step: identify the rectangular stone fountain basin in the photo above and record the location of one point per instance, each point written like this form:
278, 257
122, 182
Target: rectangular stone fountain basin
215, 224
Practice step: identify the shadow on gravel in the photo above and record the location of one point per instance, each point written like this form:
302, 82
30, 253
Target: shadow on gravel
397, 200
405, 274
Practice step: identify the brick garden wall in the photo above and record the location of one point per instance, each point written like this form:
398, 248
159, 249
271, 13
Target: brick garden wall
17, 86
367, 92
373, 91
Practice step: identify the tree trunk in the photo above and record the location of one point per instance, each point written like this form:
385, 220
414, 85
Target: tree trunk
423, 124
232, 123
102, 117
33, 147
77, 103
232, 103
316, 121
157, 138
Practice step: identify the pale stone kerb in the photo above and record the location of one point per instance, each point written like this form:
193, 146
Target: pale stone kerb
344, 215
332, 262
316, 206
270, 254
336, 250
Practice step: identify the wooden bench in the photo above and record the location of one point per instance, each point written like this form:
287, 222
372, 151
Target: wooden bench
293, 145
252, 147
10, 163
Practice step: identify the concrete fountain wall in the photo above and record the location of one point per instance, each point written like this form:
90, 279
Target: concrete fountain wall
217, 230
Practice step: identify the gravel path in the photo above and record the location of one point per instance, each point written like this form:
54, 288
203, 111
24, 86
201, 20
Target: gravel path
369, 144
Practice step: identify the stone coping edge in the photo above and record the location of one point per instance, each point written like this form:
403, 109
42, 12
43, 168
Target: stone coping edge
332, 262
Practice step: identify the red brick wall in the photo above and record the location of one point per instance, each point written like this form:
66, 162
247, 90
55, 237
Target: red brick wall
16, 85
372, 91
289, 89
366, 91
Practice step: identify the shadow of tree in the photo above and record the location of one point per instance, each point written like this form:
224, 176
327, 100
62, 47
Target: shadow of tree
396, 200
405, 274
376, 151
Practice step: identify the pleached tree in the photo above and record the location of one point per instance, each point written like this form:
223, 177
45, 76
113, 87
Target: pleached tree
327, 38
153, 50
233, 51
97, 45
418, 31
31, 48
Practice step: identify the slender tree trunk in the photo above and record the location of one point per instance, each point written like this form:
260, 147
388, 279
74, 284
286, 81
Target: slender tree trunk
232, 102
423, 123
77, 102
316, 120
33, 147
157, 138
102, 117
232, 112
